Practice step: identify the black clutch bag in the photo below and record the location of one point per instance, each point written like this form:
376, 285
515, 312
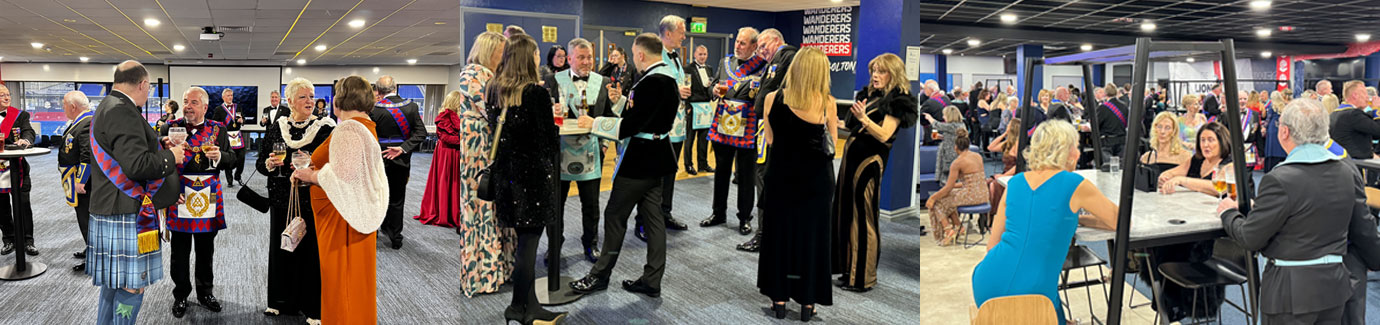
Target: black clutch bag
252, 198
485, 177
1148, 175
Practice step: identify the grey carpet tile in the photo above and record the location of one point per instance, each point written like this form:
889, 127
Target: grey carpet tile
706, 281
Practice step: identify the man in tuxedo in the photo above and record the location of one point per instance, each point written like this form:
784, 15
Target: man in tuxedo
1111, 121
14, 198
934, 106
74, 158
672, 33
274, 110
200, 215
735, 144
401, 132
771, 46
1061, 107
698, 118
1212, 104
230, 115
130, 185
637, 183
583, 93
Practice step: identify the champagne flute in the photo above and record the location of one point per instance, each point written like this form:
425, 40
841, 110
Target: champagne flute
178, 135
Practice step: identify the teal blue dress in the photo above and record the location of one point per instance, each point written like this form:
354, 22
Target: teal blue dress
1039, 228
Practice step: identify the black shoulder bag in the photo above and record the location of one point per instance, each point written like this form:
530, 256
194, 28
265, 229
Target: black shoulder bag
1148, 174
250, 197
486, 185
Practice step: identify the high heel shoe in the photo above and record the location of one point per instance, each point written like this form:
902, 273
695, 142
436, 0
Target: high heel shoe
779, 309
807, 312
545, 318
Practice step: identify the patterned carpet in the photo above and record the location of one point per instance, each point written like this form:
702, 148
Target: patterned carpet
706, 282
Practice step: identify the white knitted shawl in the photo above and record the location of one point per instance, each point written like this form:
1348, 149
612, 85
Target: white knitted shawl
354, 179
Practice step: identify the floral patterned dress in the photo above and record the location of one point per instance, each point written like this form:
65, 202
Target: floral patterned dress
486, 253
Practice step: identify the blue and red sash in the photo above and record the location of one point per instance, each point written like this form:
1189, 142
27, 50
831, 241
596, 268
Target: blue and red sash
8, 130
1117, 111
940, 98
74, 174
147, 222
396, 110
751, 67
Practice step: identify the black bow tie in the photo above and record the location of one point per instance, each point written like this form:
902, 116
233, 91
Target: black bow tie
584, 78
673, 55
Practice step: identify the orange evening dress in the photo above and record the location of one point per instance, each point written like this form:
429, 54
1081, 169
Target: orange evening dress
348, 279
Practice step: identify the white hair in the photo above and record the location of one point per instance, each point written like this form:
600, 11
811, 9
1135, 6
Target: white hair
295, 86
1307, 121
222, 92
770, 33
670, 22
77, 98
204, 96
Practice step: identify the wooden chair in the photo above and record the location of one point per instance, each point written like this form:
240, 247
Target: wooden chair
1373, 197
1015, 310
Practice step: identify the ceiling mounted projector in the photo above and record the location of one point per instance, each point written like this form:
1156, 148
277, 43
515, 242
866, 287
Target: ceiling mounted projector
210, 34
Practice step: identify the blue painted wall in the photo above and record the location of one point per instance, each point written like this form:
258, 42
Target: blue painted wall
884, 27
570, 7
647, 14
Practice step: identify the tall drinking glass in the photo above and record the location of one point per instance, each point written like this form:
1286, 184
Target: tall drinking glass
178, 135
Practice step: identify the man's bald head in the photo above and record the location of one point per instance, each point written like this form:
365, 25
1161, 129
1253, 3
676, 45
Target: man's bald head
1061, 93
386, 85
1324, 87
133, 80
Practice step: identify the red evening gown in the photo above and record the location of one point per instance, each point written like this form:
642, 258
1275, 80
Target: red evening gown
440, 203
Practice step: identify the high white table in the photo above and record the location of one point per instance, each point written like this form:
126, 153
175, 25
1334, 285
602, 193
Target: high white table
22, 268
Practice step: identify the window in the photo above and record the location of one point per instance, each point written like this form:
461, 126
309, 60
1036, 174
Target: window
43, 101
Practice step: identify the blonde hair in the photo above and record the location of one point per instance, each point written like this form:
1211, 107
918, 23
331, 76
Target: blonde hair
895, 68
1330, 102
807, 80
482, 52
295, 86
1277, 101
951, 114
1043, 93
1050, 145
1155, 136
453, 101
1112, 90
1192, 98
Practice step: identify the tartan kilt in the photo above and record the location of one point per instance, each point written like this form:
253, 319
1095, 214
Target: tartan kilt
113, 259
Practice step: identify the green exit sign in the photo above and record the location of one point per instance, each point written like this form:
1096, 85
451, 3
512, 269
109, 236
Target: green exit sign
699, 25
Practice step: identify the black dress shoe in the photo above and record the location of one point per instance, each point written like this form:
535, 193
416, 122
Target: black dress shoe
589, 284
707, 170
691, 171
672, 223
81, 254
592, 253
210, 302
713, 220
854, 289
30, 249
641, 233
744, 227
642, 288
179, 308
79, 267
752, 245
9, 248
396, 242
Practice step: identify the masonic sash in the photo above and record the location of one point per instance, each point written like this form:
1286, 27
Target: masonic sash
147, 221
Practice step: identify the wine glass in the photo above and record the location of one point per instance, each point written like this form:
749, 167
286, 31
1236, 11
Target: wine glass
301, 160
280, 151
1219, 181
178, 135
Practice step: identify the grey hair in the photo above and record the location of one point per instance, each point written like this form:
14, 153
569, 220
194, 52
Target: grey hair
578, 42
770, 33
748, 30
671, 21
1307, 121
1370, 91
77, 98
386, 84
204, 96
223, 92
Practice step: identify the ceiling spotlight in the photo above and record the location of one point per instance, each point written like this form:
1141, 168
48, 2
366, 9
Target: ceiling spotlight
1266, 54
1190, 60
1260, 4
974, 42
1008, 18
287, 71
1147, 26
320, 47
2, 58
1086, 47
38, 45
179, 47
150, 22
1359, 37
411, 61
357, 23
1263, 32
84, 59
947, 51
301, 61
836, 1
376, 69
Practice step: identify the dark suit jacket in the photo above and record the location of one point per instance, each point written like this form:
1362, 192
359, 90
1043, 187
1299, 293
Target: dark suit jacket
126, 136
1060, 111
80, 151
654, 111
387, 127
279, 111
935, 108
220, 114
1108, 125
227, 155
1305, 211
781, 62
698, 91
1211, 106
22, 130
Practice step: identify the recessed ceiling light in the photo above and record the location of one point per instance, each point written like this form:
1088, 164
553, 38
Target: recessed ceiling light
947, 51
1362, 37
1263, 32
1190, 60
2, 58
1008, 18
320, 47
376, 69
179, 47
45, 67
1086, 47
150, 22
1147, 26
287, 71
1260, 4
84, 59
36, 45
836, 1
974, 42
439, 23
65, 20
1266, 54
301, 61
357, 23
411, 61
